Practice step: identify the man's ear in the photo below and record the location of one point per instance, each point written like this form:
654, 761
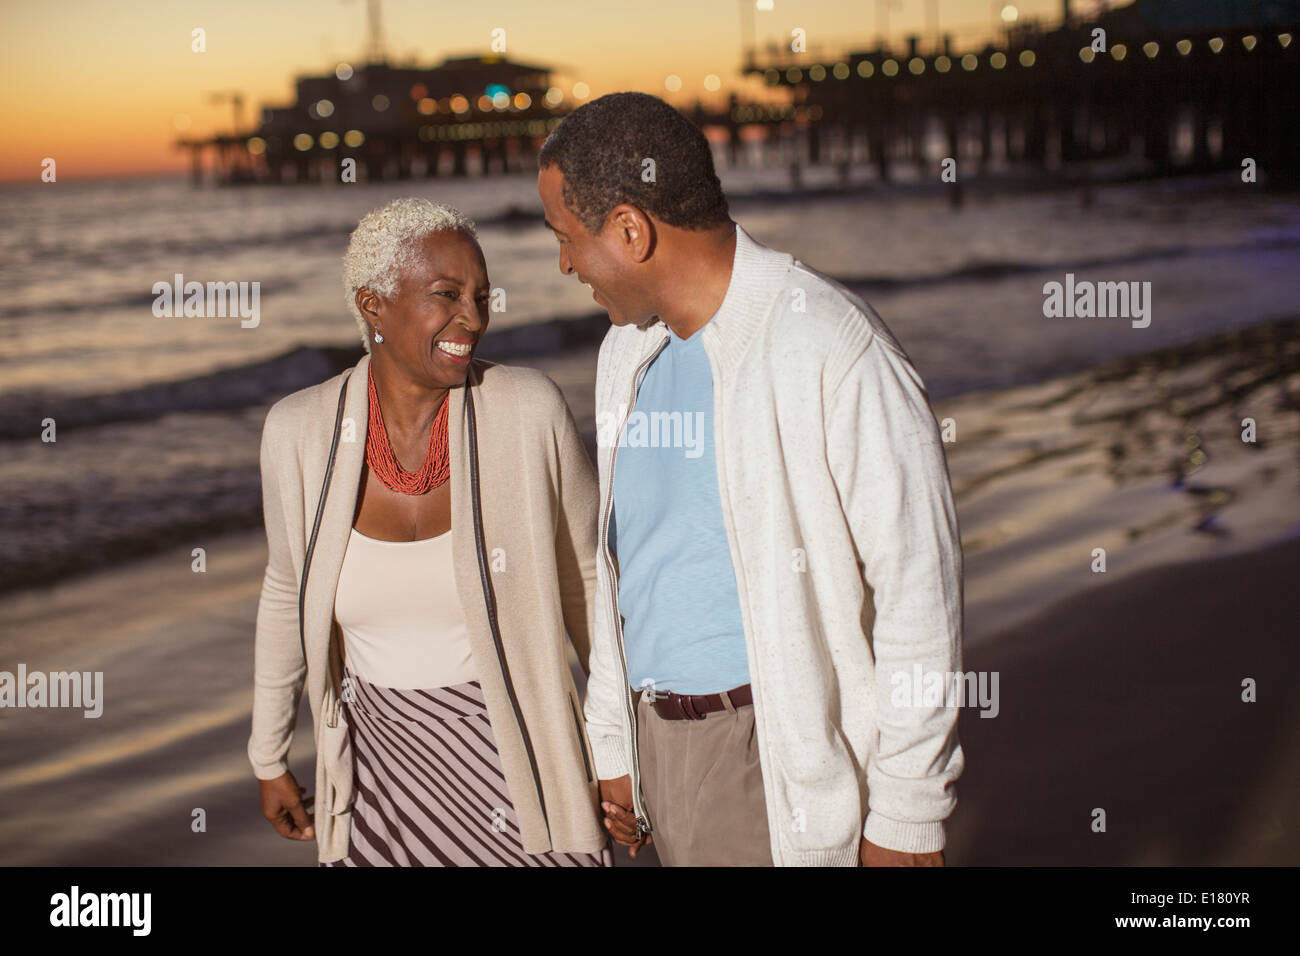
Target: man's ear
634, 230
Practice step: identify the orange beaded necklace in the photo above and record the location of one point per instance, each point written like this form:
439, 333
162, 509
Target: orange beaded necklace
379, 453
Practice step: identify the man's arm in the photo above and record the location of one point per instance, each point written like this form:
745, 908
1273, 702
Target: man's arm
605, 703
606, 700
606, 682
887, 459
279, 667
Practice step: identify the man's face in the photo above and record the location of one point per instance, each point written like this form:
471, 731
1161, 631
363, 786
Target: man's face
598, 260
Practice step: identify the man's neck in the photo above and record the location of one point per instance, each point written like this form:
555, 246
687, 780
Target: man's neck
701, 277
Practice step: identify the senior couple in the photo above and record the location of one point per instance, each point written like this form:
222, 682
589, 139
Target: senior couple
748, 607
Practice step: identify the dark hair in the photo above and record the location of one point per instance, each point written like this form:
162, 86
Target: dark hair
601, 147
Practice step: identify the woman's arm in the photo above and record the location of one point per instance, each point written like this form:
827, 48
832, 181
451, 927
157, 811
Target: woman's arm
279, 667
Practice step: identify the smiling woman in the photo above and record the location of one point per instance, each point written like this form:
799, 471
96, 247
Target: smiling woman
418, 285
422, 656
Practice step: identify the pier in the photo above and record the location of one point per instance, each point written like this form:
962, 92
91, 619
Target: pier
395, 123
1192, 99
1157, 86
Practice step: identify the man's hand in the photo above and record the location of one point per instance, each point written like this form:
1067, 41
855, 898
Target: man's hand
620, 821
871, 855
283, 805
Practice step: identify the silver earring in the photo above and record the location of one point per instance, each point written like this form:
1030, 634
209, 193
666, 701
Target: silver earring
378, 337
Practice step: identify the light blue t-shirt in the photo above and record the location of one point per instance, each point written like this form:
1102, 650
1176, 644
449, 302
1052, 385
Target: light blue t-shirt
677, 588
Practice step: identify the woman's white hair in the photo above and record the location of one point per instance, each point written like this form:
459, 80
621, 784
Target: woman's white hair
383, 245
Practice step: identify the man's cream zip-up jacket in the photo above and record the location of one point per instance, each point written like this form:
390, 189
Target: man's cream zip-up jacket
844, 539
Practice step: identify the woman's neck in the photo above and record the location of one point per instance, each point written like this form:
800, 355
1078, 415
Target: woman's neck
408, 407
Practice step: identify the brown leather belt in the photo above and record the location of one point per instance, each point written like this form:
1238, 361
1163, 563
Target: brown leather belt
671, 706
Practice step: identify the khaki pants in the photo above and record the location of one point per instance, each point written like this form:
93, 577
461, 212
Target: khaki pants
703, 787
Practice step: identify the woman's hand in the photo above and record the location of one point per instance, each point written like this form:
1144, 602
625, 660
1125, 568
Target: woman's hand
282, 804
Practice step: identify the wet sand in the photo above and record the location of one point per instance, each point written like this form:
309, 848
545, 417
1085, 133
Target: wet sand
1129, 699
1118, 690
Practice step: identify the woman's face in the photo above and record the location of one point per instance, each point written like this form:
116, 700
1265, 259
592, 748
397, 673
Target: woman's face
433, 326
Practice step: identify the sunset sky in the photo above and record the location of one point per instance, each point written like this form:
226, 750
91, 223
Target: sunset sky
105, 86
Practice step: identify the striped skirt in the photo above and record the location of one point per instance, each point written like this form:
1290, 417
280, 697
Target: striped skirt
428, 786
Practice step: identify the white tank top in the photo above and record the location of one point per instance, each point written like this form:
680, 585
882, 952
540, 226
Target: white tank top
402, 623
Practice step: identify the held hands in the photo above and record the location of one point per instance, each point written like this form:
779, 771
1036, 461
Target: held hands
620, 821
871, 855
616, 801
283, 805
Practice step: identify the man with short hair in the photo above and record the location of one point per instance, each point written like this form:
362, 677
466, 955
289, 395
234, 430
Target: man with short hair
779, 549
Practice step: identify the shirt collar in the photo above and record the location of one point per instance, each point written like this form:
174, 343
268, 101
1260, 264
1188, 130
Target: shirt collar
757, 274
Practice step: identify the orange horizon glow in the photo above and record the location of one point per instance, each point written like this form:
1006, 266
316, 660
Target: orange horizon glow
106, 90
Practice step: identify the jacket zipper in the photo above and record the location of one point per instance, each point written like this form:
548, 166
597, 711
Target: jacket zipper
638, 808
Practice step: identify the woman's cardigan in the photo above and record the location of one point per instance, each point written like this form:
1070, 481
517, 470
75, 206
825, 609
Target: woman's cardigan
523, 500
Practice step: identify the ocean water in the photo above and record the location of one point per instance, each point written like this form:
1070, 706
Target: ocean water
159, 418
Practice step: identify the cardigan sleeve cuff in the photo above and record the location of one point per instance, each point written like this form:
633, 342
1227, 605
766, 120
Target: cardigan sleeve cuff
267, 770
904, 837
610, 756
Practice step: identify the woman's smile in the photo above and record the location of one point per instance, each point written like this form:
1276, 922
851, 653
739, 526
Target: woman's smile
457, 350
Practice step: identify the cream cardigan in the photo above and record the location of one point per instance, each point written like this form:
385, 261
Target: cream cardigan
844, 540
538, 502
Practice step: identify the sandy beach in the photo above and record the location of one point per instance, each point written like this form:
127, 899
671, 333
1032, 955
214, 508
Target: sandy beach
1119, 690
1129, 700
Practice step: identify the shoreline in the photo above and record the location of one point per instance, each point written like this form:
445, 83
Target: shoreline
1141, 456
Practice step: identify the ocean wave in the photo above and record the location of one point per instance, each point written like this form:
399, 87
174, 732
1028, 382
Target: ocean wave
261, 382
989, 270
976, 270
